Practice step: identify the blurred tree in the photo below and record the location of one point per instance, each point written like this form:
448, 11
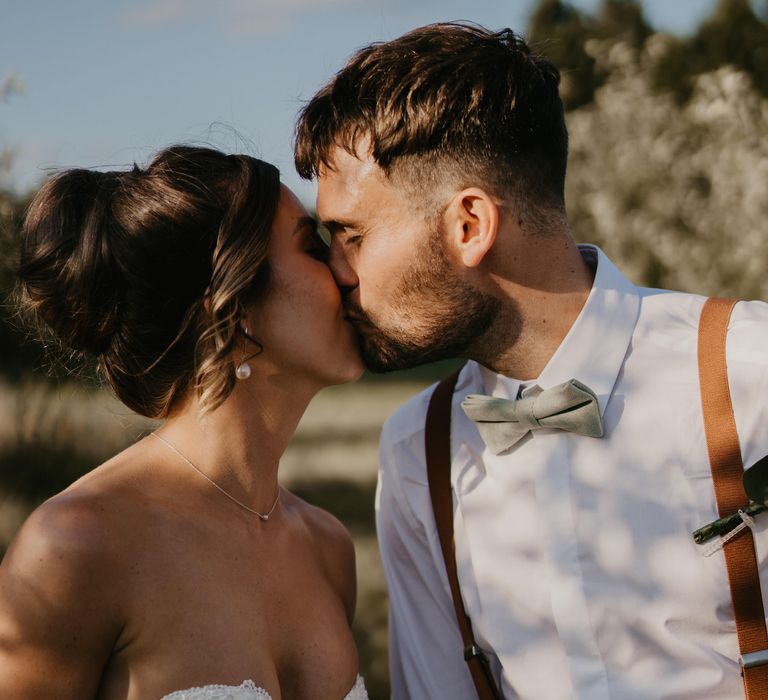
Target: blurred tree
622, 20
736, 34
733, 35
672, 72
562, 33
8, 87
16, 356
675, 193
559, 31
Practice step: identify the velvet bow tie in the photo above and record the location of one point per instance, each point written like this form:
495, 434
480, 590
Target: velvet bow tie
569, 406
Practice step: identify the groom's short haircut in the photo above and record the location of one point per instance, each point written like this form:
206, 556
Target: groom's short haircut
446, 102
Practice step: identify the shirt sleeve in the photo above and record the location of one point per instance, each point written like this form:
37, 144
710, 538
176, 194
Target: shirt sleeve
425, 647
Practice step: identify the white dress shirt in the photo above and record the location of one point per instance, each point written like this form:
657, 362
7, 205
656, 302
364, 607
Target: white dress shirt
575, 556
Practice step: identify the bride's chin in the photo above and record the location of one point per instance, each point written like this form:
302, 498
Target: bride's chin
351, 368
352, 371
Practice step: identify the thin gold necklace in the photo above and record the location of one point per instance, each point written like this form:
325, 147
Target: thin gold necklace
263, 516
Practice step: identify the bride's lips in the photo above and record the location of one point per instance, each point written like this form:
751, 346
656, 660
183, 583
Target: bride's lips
356, 319
352, 315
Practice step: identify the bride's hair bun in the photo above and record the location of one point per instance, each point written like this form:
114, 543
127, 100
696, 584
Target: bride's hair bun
72, 278
150, 270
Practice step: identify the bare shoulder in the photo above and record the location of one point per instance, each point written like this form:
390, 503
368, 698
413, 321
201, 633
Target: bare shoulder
66, 544
335, 547
75, 546
59, 614
84, 523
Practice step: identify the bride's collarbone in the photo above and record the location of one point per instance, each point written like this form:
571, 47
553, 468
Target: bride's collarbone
196, 569
261, 608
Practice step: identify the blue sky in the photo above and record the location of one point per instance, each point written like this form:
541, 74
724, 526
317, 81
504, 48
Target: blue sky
108, 82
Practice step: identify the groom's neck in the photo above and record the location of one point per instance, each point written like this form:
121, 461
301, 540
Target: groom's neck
542, 294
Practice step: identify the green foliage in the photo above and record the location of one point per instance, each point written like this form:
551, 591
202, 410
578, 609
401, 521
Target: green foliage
35, 470
672, 74
26, 349
622, 20
560, 32
675, 193
53, 434
17, 355
668, 150
432, 372
735, 35
9, 86
351, 502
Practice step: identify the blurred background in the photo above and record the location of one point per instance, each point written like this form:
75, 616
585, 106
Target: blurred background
667, 107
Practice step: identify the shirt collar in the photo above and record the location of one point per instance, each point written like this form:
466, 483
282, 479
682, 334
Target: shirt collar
593, 351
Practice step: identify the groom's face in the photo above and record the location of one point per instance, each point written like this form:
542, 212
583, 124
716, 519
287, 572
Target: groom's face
400, 286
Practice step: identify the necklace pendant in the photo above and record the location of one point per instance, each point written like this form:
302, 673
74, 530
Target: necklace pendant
262, 516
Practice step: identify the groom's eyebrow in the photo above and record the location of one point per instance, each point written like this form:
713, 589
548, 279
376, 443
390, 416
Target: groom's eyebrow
336, 225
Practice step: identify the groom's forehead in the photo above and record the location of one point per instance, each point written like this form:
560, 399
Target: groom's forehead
348, 182
350, 165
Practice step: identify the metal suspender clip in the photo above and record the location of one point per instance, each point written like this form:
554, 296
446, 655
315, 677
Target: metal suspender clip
475, 651
755, 658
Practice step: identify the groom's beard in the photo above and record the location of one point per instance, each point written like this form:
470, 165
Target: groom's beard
433, 316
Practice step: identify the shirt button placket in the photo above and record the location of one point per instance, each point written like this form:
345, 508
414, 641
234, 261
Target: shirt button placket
554, 489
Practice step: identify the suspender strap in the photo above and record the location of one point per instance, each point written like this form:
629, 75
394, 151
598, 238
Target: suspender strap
727, 471
438, 445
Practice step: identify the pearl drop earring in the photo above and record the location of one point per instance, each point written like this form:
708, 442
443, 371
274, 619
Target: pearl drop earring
243, 370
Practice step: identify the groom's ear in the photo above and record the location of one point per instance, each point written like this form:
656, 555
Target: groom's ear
472, 223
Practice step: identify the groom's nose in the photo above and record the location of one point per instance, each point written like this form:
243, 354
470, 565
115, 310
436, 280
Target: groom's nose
341, 269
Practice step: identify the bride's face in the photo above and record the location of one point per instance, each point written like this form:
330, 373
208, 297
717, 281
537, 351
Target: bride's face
300, 320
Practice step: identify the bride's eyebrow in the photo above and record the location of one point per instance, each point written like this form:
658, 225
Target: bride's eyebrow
305, 222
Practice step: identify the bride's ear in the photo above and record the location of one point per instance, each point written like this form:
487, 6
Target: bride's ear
472, 223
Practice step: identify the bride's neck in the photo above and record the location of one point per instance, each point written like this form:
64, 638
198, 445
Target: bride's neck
239, 445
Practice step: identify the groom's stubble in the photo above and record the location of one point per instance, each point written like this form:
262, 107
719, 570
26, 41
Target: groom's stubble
431, 315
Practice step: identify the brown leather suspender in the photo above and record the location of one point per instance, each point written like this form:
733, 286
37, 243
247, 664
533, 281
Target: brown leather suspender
438, 444
727, 470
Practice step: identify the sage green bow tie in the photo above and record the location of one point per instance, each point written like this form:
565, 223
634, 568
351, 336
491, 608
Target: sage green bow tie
570, 406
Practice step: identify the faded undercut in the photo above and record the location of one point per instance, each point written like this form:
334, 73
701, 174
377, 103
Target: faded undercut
449, 103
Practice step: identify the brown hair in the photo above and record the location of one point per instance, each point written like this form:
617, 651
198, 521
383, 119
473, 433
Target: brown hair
150, 271
449, 100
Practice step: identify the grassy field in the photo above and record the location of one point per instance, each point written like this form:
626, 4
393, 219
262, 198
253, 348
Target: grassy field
49, 436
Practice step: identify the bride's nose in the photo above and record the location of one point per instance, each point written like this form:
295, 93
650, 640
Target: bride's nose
341, 266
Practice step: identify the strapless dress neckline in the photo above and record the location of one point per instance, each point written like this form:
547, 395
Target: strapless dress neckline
248, 690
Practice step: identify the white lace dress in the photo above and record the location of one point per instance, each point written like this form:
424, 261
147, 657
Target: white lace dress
248, 691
